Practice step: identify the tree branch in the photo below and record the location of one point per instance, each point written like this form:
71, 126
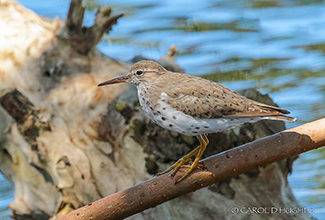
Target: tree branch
219, 167
83, 39
75, 15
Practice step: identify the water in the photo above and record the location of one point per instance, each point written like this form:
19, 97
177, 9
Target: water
6, 196
275, 46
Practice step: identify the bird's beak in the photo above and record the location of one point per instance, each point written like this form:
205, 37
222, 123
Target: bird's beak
115, 80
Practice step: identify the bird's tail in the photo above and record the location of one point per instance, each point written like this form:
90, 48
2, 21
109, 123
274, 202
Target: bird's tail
281, 118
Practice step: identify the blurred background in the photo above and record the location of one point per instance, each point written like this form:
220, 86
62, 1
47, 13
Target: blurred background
276, 46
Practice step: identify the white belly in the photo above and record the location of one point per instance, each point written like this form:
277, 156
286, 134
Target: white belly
169, 118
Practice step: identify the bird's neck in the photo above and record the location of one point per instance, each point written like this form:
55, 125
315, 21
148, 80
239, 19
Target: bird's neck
150, 90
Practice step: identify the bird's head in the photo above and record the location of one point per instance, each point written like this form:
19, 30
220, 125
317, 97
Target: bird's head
145, 71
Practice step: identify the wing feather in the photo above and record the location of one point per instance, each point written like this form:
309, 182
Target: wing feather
202, 98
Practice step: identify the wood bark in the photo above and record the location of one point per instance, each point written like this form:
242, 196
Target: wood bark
65, 143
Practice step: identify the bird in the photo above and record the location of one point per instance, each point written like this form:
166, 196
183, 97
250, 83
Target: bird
192, 106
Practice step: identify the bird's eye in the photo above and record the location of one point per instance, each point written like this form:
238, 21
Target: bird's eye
139, 72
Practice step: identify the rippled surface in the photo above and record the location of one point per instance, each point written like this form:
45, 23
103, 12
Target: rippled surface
275, 46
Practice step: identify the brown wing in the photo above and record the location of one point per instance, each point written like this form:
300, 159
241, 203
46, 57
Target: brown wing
202, 98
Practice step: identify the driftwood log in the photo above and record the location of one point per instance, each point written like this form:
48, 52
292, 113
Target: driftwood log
65, 143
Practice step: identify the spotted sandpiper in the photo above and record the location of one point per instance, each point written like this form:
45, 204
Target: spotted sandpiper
192, 106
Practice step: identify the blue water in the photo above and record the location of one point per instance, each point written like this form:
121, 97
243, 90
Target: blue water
223, 36
6, 196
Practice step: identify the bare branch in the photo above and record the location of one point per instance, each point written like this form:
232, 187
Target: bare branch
217, 168
103, 23
75, 15
83, 39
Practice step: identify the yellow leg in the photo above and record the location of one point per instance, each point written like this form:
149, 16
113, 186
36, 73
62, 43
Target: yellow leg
199, 151
203, 144
180, 162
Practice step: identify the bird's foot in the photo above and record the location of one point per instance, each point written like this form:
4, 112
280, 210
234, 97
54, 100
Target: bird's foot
176, 166
180, 163
199, 165
189, 169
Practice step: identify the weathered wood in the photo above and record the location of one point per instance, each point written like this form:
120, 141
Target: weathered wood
216, 168
92, 142
23, 112
81, 38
